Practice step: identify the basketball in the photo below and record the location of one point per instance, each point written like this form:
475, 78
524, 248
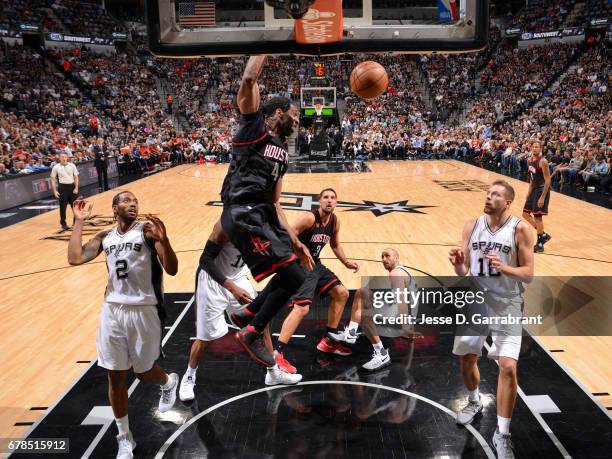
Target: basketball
369, 80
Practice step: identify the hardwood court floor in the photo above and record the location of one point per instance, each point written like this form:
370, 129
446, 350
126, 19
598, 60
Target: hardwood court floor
50, 310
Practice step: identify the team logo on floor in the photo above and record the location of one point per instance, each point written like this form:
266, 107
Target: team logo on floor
91, 227
305, 201
463, 185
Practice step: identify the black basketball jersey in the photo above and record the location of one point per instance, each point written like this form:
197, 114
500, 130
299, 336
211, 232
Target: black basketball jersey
317, 236
535, 172
259, 160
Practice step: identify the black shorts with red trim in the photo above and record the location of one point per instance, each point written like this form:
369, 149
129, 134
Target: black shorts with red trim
319, 283
256, 232
531, 204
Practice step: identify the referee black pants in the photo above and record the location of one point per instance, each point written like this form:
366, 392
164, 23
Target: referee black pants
102, 177
66, 196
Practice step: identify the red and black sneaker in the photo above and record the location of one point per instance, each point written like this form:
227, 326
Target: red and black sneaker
283, 363
242, 318
251, 340
333, 347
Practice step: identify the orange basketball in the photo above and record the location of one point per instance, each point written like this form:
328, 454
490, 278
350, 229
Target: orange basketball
369, 80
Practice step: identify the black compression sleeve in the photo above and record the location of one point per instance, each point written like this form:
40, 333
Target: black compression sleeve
207, 262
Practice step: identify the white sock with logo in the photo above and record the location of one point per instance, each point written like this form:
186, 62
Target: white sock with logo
378, 347
191, 372
503, 424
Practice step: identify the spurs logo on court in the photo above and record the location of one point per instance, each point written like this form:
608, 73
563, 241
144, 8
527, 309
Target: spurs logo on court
303, 201
260, 246
91, 227
463, 185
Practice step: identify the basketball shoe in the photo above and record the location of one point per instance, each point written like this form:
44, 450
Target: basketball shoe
333, 347
503, 445
251, 340
469, 411
275, 376
378, 361
242, 318
126, 446
168, 393
186, 391
283, 363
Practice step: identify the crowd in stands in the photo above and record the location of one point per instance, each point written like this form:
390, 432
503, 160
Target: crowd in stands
86, 18
67, 99
586, 10
30, 12
541, 15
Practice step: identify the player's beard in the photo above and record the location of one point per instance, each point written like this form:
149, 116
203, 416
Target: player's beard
284, 126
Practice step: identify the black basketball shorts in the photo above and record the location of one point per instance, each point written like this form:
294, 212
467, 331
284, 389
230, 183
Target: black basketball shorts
318, 282
256, 232
531, 204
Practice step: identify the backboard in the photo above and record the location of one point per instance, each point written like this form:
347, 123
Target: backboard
189, 28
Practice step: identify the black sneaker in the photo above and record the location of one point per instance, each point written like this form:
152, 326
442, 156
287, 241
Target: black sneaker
538, 248
65, 227
545, 238
242, 318
251, 340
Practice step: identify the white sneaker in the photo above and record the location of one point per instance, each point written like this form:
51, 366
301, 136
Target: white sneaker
186, 390
276, 376
126, 445
168, 396
503, 445
469, 411
378, 361
350, 336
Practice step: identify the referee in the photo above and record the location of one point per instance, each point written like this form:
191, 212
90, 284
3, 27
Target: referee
68, 176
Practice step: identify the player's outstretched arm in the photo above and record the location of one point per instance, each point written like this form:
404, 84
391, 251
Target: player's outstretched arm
300, 249
212, 249
155, 233
339, 251
79, 254
248, 93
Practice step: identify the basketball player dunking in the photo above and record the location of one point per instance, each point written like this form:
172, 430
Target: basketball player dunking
129, 333
315, 230
222, 284
497, 250
536, 205
252, 216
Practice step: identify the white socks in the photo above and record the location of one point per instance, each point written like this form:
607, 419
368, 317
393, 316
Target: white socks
353, 326
474, 395
378, 347
503, 424
191, 372
123, 425
168, 384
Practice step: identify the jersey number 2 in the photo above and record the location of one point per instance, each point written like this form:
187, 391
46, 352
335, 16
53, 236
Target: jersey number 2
121, 269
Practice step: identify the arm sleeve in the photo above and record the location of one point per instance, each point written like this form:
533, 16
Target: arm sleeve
207, 262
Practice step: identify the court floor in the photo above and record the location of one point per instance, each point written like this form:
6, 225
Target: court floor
50, 313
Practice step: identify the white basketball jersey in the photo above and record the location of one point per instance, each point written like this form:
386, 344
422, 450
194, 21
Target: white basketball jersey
409, 284
502, 242
230, 262
134, 270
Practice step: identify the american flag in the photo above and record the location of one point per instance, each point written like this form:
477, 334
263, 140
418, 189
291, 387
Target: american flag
197, 14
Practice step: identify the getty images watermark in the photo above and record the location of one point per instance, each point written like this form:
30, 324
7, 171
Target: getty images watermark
418, 306
473, 305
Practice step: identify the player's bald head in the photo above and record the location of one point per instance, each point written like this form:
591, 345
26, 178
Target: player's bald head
390, 258
392, 251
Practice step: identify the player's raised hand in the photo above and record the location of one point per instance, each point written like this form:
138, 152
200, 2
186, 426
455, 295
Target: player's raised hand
81, 209
156, 228
456, 257
304, 255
